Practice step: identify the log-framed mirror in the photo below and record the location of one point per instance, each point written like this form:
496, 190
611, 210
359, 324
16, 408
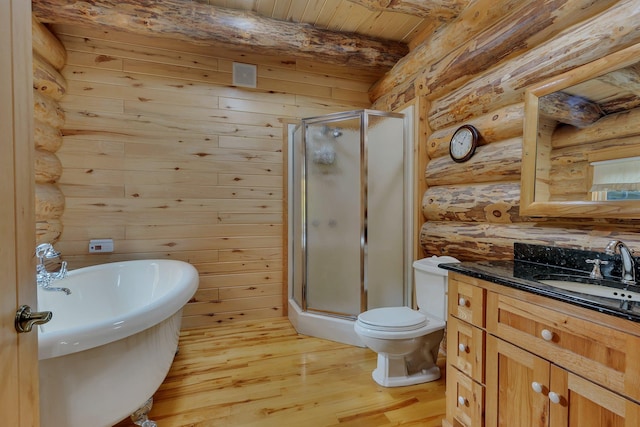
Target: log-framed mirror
582, 133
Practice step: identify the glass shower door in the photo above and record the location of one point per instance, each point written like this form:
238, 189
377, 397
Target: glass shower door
334, 217
386, 257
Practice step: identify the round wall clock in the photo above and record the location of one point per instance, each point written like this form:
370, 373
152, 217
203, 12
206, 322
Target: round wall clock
463, 143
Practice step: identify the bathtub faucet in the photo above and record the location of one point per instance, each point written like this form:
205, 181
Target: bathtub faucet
45, 251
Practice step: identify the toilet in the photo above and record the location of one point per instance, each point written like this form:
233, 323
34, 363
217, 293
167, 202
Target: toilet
407, 341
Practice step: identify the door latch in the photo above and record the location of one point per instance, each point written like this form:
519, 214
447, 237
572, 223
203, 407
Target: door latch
25, 319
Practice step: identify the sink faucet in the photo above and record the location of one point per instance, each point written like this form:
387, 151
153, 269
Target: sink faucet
628, 263
44, 278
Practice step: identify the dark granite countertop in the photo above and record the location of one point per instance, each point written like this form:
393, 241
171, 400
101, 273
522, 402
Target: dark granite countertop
521, 274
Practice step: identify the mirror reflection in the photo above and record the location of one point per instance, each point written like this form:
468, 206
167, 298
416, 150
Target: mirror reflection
590, 143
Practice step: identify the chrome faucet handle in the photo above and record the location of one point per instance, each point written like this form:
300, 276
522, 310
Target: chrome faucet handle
596, 273
46, 250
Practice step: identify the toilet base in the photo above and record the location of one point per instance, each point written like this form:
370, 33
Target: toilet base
392, 372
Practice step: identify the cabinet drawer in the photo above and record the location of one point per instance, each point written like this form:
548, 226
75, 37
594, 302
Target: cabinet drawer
465, 400
467, 302
465, 348
604, 355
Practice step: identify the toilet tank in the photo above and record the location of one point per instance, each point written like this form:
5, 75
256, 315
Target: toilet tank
431, 285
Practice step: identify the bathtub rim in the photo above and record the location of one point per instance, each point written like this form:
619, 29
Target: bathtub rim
82, 337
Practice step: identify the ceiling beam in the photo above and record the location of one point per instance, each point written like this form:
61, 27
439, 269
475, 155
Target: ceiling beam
439, 10
205, 24
570, 109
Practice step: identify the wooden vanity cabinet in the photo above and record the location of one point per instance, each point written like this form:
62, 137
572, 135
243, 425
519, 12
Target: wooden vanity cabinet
533, 364
465, 355
525, 390
594, 351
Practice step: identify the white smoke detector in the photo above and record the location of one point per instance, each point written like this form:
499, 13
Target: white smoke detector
244, 75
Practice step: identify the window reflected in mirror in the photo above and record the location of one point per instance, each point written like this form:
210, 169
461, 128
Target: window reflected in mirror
615, 179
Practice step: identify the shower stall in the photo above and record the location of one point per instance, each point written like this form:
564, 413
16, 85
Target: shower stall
349, 220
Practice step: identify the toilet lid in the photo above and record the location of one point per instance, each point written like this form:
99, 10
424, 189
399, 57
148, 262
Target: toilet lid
393, 319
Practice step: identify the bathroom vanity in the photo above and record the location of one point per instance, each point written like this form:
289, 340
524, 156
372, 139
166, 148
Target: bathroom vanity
521, 353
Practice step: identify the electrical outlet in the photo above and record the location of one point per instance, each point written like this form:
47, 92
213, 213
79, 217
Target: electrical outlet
100, 245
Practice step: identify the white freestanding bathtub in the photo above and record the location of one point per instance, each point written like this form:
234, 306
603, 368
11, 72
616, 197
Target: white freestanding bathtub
110, 342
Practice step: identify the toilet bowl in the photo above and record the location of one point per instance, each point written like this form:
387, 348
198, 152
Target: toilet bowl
407, 341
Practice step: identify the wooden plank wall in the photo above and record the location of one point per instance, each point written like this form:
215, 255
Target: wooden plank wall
162, 154
474, 71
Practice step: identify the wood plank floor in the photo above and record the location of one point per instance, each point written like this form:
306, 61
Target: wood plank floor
262, 373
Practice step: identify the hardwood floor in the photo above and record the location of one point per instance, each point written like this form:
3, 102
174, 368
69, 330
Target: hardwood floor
262, 373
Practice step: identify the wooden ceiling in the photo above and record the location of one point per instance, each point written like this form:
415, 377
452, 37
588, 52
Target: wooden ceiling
363, 34
341, 16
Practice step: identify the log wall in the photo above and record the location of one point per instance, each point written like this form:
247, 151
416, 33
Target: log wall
162, 154
471, 210
49, 87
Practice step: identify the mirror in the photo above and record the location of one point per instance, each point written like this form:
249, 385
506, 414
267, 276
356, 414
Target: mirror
581, 153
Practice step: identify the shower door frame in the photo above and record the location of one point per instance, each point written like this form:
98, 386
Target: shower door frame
364, 125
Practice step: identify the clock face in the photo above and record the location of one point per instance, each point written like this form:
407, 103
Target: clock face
463, 143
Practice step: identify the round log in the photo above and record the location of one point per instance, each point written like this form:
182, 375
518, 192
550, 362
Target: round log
47, 45
569, 155
48, 231
47, 80
498, 125
480, 15
528, 26
494, 202
203, 23
515, 28
504, 85
443, 11
570, 109
620, 125
484, 241
48, 167
49, 202
47, 110
500, 161
46, 137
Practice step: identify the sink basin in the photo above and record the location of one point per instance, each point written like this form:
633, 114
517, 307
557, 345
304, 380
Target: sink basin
594, 287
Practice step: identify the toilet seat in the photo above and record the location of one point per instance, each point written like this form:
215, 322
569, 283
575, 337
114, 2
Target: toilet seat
393, 319
396, 323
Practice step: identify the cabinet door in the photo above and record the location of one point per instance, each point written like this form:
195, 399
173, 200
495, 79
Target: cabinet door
465, 400
512, 377
465, 348
581, 403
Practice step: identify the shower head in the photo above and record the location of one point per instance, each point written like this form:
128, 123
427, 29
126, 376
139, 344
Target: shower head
327, 131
